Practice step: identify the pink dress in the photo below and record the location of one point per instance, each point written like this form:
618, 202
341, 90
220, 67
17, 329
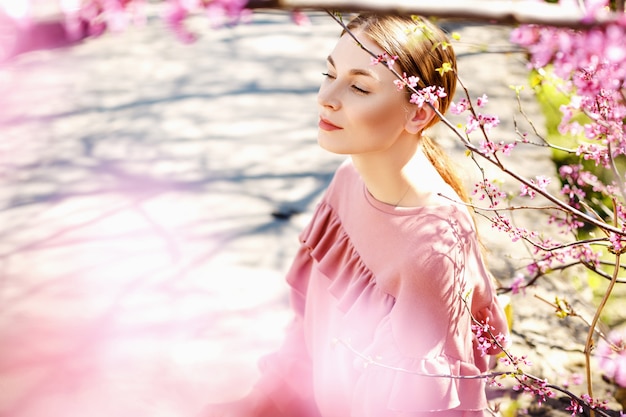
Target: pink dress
378, 293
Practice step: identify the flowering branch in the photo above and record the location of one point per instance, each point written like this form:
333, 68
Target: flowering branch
488, 157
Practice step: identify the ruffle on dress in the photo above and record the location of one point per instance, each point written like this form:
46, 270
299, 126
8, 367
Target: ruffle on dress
411, 384
336, 257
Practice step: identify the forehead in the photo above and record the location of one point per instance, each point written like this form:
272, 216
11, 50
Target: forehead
349, 53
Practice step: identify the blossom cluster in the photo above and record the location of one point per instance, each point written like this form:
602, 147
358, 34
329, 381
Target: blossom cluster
541, 183
429, 95
475, 120
592, 66
504, 224
411, 81
385, 59
488, 147
577, 408
486, 341
538, 387
490, 191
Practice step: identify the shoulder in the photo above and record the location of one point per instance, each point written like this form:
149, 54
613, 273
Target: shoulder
449, 223
428, 243
346, 172
446, 256
344, 182
442, 234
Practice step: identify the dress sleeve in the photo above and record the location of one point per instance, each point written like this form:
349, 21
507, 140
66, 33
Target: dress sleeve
494, 316
423, 356
486, 308
286, 375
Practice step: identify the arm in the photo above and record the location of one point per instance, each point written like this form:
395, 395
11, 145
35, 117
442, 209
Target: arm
486, 306
285, 386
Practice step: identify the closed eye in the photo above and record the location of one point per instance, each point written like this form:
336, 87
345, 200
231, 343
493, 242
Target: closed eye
360, 90
357, 89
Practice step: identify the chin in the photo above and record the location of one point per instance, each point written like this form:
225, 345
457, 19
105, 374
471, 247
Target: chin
330, 146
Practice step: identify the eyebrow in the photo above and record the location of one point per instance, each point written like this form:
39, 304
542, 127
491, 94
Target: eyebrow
355, 71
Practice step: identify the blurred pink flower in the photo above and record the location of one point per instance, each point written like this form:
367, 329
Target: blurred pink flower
611, 357
518, 285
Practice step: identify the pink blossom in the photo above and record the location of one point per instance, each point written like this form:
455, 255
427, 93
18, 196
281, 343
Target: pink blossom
489, 190
472, 124
116, 16
482, 100
574, 407
488, 147
428, 94
577, 379
385, 58
410, 81
613, 362
300, 18
486, 121
525, 190
516, 361
391, 60
518, 285
227, 12
485, 339
617, 245
541, 182
460, 107
533, 268
586, 254
175, 15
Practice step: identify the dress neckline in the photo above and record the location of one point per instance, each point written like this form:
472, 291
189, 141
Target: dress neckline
398, 211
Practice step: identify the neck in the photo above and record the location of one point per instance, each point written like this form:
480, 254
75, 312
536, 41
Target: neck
405, 179
389, 176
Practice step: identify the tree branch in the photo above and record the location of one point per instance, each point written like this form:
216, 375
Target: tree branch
509, 12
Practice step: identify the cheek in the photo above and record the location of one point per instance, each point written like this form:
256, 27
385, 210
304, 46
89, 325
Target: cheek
384, 118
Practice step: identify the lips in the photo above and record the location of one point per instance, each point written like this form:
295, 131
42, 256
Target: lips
326, 125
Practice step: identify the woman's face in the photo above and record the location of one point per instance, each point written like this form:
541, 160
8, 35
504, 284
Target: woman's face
361, 110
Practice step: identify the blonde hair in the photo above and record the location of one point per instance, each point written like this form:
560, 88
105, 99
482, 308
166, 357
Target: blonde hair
421, 48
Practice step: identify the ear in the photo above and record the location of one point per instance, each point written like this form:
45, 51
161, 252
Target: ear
419, 117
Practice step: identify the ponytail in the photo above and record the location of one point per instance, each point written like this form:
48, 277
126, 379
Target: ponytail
442, 163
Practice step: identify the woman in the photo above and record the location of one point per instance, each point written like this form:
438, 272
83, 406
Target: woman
390, 267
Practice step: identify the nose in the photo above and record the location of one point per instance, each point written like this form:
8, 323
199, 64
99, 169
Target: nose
327, 97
